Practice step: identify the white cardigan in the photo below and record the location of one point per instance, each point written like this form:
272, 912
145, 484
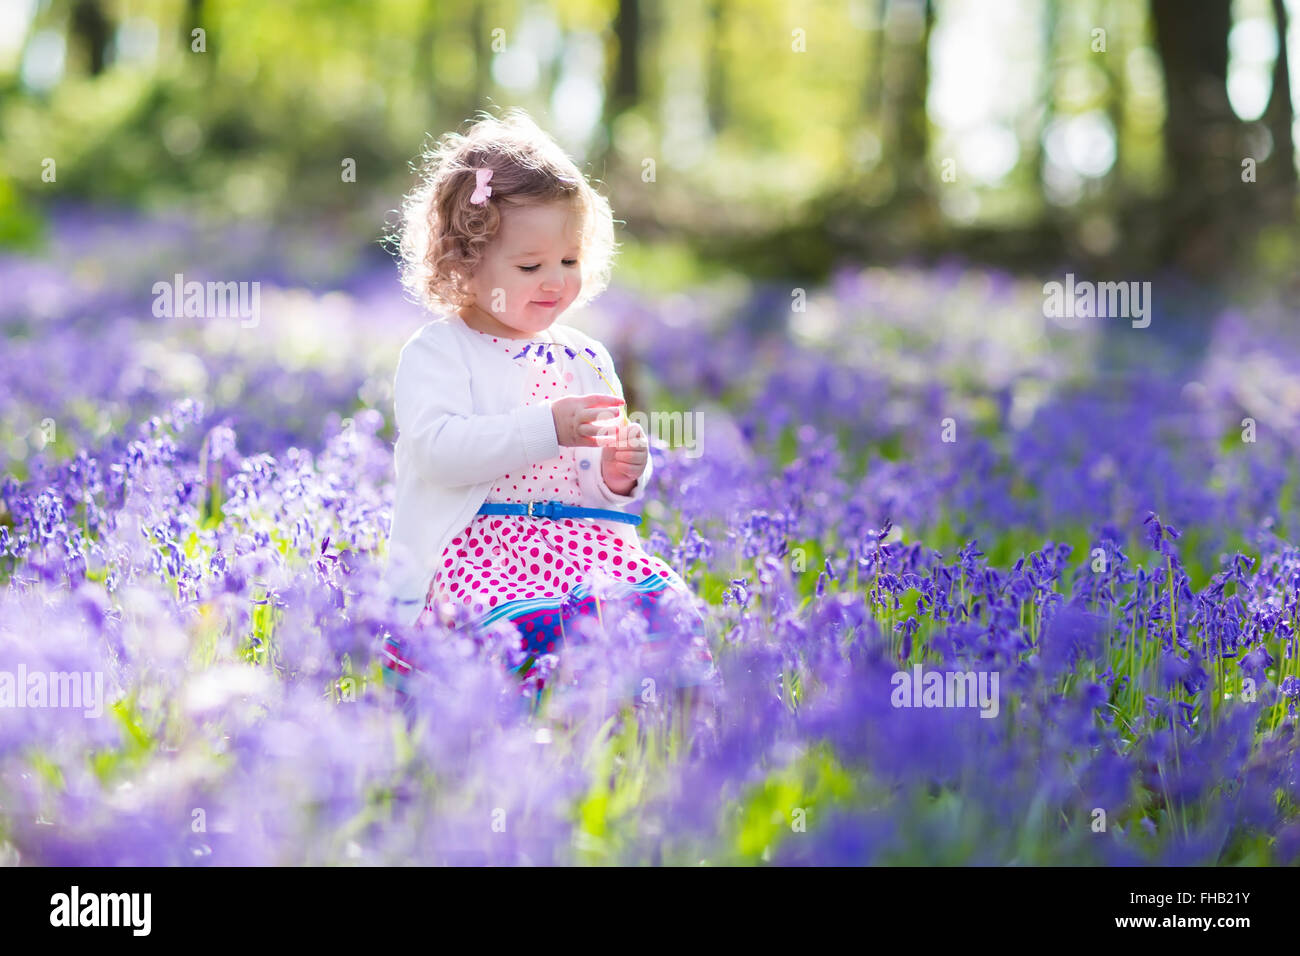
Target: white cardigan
462, 425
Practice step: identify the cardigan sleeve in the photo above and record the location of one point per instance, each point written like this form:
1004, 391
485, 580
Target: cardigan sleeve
439, 435
638, 489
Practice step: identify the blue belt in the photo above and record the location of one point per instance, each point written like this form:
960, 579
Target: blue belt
556, 509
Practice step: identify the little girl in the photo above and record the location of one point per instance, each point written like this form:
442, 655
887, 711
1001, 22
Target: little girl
513, 460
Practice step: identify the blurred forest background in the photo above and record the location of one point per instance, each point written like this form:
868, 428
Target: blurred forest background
772, 138
879, 189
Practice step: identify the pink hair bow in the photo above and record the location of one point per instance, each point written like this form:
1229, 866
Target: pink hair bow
482, 190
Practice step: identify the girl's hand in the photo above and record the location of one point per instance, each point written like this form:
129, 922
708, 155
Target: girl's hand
624, 457
580, 420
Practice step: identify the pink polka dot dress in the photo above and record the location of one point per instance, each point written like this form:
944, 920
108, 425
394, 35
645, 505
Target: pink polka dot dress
531, 571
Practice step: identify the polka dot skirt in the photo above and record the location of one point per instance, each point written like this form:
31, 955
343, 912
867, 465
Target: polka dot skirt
531, 571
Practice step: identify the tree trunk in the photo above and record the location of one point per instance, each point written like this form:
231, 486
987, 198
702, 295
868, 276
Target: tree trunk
905, 124
1112, 64
192, 18
1203, 139
875, 51
716, 75
91, 29
1051, 18
625, 83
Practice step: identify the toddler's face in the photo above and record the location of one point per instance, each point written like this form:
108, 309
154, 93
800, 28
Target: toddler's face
530, 272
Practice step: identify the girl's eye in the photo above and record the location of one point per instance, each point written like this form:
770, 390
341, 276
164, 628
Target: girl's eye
567, 262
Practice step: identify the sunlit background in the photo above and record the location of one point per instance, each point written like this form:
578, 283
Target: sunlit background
751, 152
1022, 131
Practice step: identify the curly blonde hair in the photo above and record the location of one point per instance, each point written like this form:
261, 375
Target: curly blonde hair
443, 236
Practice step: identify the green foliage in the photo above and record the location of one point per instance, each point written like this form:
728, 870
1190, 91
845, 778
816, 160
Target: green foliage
788, 799
20, 226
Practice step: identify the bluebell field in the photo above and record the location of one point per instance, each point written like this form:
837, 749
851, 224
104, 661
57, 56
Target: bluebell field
917, 469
